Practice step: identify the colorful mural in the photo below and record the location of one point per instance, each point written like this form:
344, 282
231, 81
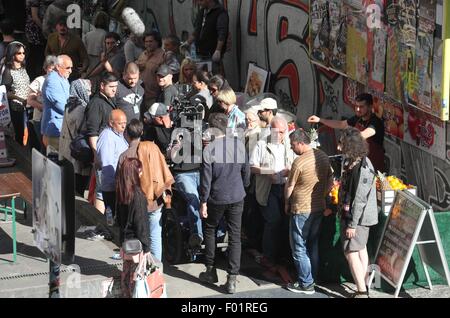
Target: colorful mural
275, 36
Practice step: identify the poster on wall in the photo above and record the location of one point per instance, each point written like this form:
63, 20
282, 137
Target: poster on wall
377, 57
357, 46
351, 90
436, 81
427, 10
392, 113
393, 78
425, 131
407, 21
337, 13
256, 80
424, 65
319, 31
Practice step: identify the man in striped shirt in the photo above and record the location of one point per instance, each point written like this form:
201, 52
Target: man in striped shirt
309, 182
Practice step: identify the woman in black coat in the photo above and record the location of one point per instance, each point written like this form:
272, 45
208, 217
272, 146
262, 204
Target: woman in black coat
132, 217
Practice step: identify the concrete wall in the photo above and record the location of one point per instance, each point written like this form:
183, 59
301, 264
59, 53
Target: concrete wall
274, 35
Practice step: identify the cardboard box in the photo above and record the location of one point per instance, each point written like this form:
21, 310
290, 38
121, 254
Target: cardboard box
385, 198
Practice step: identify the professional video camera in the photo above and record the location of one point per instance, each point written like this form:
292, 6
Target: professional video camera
187, 109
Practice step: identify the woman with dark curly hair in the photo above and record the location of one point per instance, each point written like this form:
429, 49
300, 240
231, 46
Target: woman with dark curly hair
358, 206
17, 82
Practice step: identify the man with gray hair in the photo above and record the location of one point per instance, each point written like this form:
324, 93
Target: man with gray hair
271, 161
55, 93
309, 182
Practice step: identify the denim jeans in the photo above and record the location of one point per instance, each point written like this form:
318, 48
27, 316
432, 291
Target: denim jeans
233, 215
304, 240
154, 220
273, 221
187, 184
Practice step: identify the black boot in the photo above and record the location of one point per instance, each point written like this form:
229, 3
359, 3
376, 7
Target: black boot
209, 276
230, 286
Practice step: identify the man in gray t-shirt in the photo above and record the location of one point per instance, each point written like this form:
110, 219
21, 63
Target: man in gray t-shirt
130, 93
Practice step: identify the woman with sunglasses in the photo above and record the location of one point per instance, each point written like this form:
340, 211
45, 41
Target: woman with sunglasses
17, 82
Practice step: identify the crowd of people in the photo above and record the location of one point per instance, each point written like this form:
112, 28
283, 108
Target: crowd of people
269, 186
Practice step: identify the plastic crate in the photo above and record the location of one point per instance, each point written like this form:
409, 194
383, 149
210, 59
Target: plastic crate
385, 198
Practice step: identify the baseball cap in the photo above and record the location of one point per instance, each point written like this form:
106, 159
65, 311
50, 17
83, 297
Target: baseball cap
266, 103
157, 109
164, 70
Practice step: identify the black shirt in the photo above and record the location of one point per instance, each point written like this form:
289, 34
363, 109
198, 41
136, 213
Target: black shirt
129, 100
374, 122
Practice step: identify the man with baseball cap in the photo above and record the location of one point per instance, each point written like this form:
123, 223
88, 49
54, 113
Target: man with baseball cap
267, 110
168, 90
158, 126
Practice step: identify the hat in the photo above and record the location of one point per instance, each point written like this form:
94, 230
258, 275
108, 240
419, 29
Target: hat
164, 70
266, 103
157, 109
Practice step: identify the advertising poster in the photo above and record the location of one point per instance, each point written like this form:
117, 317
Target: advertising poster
337, 12
256, 80
319, 31
398, 237
427, 10
351, 90
408, 21
392, 113
409, 75
377, 42
424, 64
425, 131
436, 81
393, 78
357, 47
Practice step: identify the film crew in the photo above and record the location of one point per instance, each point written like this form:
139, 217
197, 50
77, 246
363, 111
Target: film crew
130, 94
224, 164
172, 56
168, 90
158, 126
112, 59
211, 33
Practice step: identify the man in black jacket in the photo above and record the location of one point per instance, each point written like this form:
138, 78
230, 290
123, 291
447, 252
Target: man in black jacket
224, 163
99, 109
211, 32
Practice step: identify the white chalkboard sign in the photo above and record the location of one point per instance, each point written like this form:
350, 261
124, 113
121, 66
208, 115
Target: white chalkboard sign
410, 222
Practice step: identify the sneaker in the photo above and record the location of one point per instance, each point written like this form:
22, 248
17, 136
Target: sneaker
209, 276
195, 241
297, 288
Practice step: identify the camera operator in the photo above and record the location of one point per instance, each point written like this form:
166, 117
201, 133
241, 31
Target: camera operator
186, 155
158, 126
165, 81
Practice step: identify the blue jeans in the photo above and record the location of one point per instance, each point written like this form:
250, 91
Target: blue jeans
304, 240
187, 184
154, 220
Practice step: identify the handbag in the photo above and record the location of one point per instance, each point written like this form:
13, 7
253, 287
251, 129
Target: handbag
155, 280
141, 288
80, 149
149, 281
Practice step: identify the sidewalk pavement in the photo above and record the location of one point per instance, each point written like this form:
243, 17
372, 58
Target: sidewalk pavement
100, 273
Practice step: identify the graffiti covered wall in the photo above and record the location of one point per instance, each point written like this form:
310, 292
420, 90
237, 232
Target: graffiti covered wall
274, 35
